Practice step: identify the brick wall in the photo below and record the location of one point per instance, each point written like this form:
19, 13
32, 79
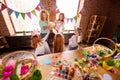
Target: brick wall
3, 29
109, 8
6, 27
113, 19
91, 7
49, 5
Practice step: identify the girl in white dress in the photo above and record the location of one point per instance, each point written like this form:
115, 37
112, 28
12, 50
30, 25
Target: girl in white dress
40, 45
59, 24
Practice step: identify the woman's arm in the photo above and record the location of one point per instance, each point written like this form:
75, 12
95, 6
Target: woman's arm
45, 38
47, 49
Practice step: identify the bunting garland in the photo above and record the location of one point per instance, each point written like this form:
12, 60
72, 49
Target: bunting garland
10, 11
75, 18
41, 5
71, 19
2, 6
57, 11
28, 14
38, 8
82, 11
17, 14
67, 20
33, 11
23, 15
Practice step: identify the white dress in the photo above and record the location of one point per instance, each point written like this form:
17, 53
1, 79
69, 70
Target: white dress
43, 48
59, 26
73, 42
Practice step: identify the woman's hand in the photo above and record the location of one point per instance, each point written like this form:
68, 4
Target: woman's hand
47, 28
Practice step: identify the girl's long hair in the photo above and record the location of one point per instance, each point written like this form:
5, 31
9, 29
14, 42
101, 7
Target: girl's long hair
46, 12
35, 39
58, 43
63, 17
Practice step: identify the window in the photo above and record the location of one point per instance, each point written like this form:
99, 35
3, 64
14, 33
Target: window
22, 7
69, 8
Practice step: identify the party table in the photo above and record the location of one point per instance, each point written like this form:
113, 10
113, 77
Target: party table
70, 56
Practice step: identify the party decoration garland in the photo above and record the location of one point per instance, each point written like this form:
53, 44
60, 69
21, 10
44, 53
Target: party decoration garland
10, 11
38, 8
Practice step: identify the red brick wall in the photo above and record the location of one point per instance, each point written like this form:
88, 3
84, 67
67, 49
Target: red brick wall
49, 5
3, 28
113, 19
6, 27
109, 8
91, 7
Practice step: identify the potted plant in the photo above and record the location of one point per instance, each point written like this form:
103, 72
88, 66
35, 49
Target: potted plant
108, 64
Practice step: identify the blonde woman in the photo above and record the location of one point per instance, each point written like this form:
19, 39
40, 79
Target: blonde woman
44, 22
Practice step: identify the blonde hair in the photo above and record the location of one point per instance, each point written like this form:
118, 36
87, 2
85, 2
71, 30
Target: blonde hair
41, 15
58, 43
35, 39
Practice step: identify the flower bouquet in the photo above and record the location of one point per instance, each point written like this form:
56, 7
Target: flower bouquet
15, 66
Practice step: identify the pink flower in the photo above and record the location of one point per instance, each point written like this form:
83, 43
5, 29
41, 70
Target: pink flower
11, 63
8, 71
35, 62
24, 69
5, 78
